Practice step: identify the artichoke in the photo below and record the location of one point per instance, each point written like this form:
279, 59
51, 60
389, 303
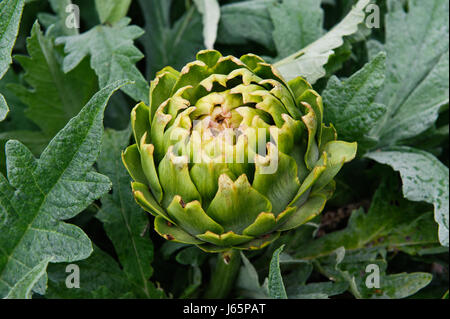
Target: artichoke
229, 155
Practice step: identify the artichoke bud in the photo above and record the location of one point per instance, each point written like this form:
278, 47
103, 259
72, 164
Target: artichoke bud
229, 155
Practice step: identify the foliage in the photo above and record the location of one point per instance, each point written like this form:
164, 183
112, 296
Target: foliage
11, 12
65, 197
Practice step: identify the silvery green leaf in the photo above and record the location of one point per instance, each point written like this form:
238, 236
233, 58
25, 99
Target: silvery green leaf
296, 24
36, 141
350, 103
112, 55
275, 281
424, 178
56, 24
24, 287
40, 193
417, 76
391, 222
11, 13
4, 110
309, 62
365, 273
210, 10
248, 281
319, 290
424, 103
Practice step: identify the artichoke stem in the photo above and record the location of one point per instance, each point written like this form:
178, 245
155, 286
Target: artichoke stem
224, 275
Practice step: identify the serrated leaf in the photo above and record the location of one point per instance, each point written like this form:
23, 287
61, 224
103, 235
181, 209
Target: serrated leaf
39, 194
424, 103
246, 21
35, 141
56, 25
296, 286
23, 288
112, 55
350, 103
111, 11
210, 11
417, 68
391, 222
352, 267
296, 24
124, 222
424, 178
11, 13
275, 282
248, 281
166, 43
54, 97
309, 62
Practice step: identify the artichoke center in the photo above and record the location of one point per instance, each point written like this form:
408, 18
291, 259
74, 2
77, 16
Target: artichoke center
221, 120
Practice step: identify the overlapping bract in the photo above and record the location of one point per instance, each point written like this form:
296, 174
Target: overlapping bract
189, 173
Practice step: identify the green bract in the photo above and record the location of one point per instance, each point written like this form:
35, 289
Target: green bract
228, 154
